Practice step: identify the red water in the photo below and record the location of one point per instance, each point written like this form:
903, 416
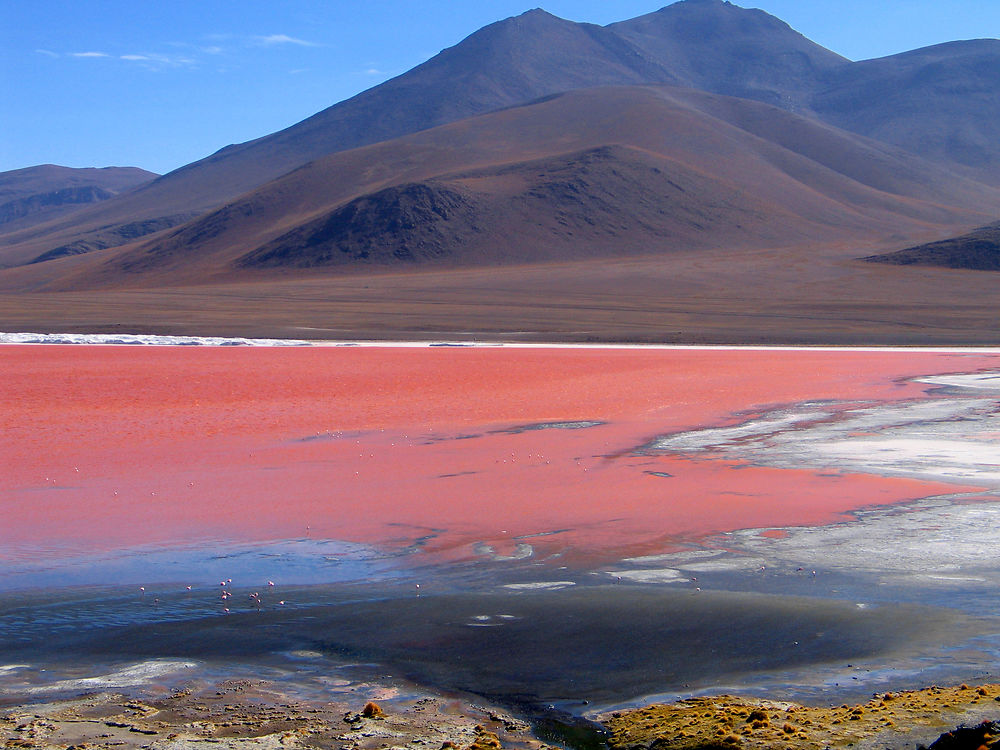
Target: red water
111, 447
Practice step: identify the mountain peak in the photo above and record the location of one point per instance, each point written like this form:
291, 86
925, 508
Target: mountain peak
691, 4
721, 47
718, 9
532, 21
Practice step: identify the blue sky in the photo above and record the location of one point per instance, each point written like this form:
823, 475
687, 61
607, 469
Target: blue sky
158, 85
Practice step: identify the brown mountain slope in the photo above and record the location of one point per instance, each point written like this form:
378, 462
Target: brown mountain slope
599, 172
606, 201
37, 194
978, 250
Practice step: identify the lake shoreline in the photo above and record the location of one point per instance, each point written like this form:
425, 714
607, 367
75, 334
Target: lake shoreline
110, 339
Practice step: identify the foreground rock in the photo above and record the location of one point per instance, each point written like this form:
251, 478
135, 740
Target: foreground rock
889, 720
985, 736
250, 716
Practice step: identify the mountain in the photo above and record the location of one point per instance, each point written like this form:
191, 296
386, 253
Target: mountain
606, 172
506, 63
35, 194
725, 49
702, 173
535, 55
942, 102
978, 250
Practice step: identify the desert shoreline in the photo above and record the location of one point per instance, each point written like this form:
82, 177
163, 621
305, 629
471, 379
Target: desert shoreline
155, 340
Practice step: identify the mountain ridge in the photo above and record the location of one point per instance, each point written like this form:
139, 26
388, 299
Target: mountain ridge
818, 180
511, 61
35, 194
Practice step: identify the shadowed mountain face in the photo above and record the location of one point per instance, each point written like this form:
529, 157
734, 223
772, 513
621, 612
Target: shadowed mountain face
35, 194
419, 221
605, 201
978, 250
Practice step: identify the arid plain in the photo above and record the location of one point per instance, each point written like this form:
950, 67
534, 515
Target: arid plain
812, 295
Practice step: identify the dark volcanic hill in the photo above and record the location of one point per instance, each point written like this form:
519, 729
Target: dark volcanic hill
604, 172
978, 250
35, 194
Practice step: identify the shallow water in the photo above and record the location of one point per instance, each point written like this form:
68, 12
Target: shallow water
537, 651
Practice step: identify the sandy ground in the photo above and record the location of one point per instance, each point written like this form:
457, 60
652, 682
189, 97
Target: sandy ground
251, 715
813, 294
254, 715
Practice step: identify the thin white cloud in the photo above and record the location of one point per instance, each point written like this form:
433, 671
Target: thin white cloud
374, 72
274, 39
154, 61
193, 54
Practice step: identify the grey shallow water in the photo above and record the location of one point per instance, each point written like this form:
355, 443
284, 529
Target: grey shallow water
301, 560
548, 654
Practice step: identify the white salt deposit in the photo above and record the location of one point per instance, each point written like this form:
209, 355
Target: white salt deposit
650, 575
949, 436
975, 380
961, 461
943, 439
720, 437
539, 586
142, 673
521, 551
947, 543
139, 339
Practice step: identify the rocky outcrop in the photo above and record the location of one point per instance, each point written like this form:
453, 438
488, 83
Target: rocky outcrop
112, 236
983, 736
978, 250
887, 720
